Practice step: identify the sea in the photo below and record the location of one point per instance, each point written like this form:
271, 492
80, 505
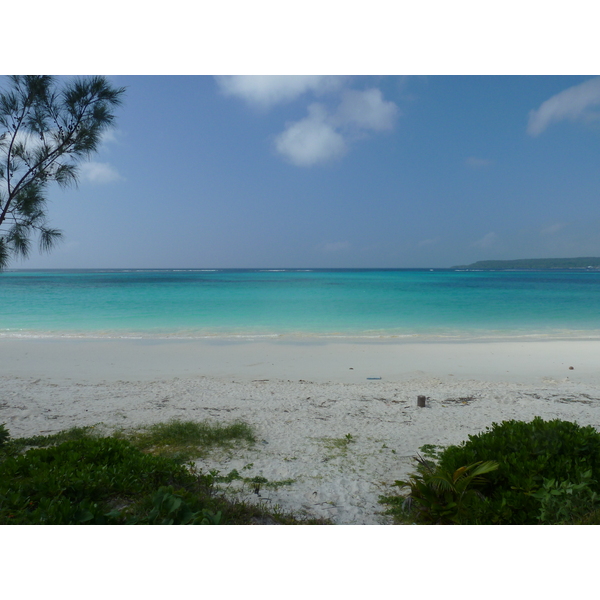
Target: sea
240, 304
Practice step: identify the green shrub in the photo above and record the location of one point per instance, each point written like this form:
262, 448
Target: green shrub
4, 435
82, 481
439, 497
86, 479
567, 502
530, 454
169, 508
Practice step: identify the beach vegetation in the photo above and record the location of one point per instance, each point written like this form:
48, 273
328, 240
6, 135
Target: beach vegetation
96, 481
437, 496
188, 440
18, 445
341, 444
336, 447
4, 434
46, 129
431, 451
565, 502
82, 477
169, 508
256, 483
529, 453
547, 472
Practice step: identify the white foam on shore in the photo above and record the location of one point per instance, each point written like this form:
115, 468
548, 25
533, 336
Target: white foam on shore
193, 334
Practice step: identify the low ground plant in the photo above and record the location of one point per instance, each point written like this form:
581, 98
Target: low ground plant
255, 483
18, 445
338, 446
81, 477
187, 440
90, 480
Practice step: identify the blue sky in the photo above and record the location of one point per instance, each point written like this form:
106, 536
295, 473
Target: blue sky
352, 171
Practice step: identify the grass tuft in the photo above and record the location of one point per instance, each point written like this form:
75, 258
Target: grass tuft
338, 446
187, 440
18, 445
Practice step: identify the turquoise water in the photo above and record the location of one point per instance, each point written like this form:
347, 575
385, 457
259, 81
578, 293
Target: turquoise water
309, 303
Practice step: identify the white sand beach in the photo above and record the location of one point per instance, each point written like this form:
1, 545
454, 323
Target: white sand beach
299, 396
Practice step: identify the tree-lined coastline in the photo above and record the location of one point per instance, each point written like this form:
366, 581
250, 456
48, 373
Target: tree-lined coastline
535, 264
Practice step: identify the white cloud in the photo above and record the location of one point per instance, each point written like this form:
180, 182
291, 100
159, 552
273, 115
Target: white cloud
110, 136
96, 172
367, 110
573, 103
478, 163
486, 241
311, 140
267, 90
324, 136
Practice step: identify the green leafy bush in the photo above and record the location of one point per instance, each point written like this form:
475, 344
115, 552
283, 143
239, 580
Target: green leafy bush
169, 508
78, 477
4, 435
530, 454
439, 497
566, 502
83, 481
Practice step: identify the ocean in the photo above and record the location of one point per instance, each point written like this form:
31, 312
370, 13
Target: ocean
301, 303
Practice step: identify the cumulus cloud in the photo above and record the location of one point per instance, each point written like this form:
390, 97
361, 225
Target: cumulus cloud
326, 132
367, 110
574, 103
478, 163
268, 90
96, 172
486, 241
311, 140
324, 135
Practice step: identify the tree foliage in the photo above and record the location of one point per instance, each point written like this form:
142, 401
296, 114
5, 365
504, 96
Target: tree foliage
582, 262
46, 130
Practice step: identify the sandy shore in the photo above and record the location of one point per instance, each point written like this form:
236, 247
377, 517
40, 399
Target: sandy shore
300, 396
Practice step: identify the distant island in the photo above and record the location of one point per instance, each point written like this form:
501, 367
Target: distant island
585, 262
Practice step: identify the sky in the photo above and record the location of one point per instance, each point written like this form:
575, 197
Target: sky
336, 172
